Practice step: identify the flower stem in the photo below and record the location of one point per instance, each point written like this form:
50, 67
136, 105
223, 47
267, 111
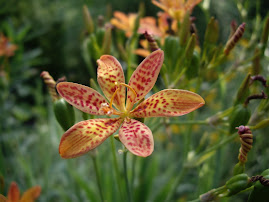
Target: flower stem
126, 176
97, 174
116, 167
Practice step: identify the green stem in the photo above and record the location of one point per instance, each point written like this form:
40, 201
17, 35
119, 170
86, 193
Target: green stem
187, 137
126, 176
116, 167
133, 171
189, 122
177, 78
97, 174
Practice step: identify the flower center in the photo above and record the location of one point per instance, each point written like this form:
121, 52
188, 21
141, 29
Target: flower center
108, 109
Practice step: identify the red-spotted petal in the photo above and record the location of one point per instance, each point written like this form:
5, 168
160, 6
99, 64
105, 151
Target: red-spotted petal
86, 135
110, 71
136, 137
144, 77
169, 102
82, 97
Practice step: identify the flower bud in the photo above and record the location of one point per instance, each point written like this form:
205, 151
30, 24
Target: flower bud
234, 39
107, 40
212, 31
265, 33
190, 47
185, 30
88, 19
50, 82
64, 113
243, 91
256, 63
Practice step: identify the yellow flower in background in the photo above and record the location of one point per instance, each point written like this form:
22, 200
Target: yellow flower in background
127, 24
14, 194
6, 48
176, 8
135, 135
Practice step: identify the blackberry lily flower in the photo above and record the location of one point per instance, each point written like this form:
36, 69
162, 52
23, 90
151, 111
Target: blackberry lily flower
136, 136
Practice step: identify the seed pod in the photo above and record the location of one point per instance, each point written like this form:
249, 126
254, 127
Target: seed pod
239, 116
237, 183
246, 139
64, 113
234, 39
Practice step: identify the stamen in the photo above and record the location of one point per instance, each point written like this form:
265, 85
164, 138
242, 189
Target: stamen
129, 88
113, 96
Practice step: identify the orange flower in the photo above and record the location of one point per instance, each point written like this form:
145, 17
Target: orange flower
127, 24
6, 48
14, 194
176, 8
135, 135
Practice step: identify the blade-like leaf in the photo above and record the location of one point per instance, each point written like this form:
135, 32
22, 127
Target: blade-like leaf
169, 102
86, 135
136, 137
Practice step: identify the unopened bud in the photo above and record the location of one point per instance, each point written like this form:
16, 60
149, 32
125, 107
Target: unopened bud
243, 91
265, 34
152, 43
50, 82
185, 30
234, 39
190, 47
256, 64
212, 31
107, 40
88, 19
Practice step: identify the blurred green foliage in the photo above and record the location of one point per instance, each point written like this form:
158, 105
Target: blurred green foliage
51, 35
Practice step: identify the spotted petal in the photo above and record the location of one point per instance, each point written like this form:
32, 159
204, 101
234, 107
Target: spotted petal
144, 77
169, 102
86, 135
136, 137
110, 71
82, 97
